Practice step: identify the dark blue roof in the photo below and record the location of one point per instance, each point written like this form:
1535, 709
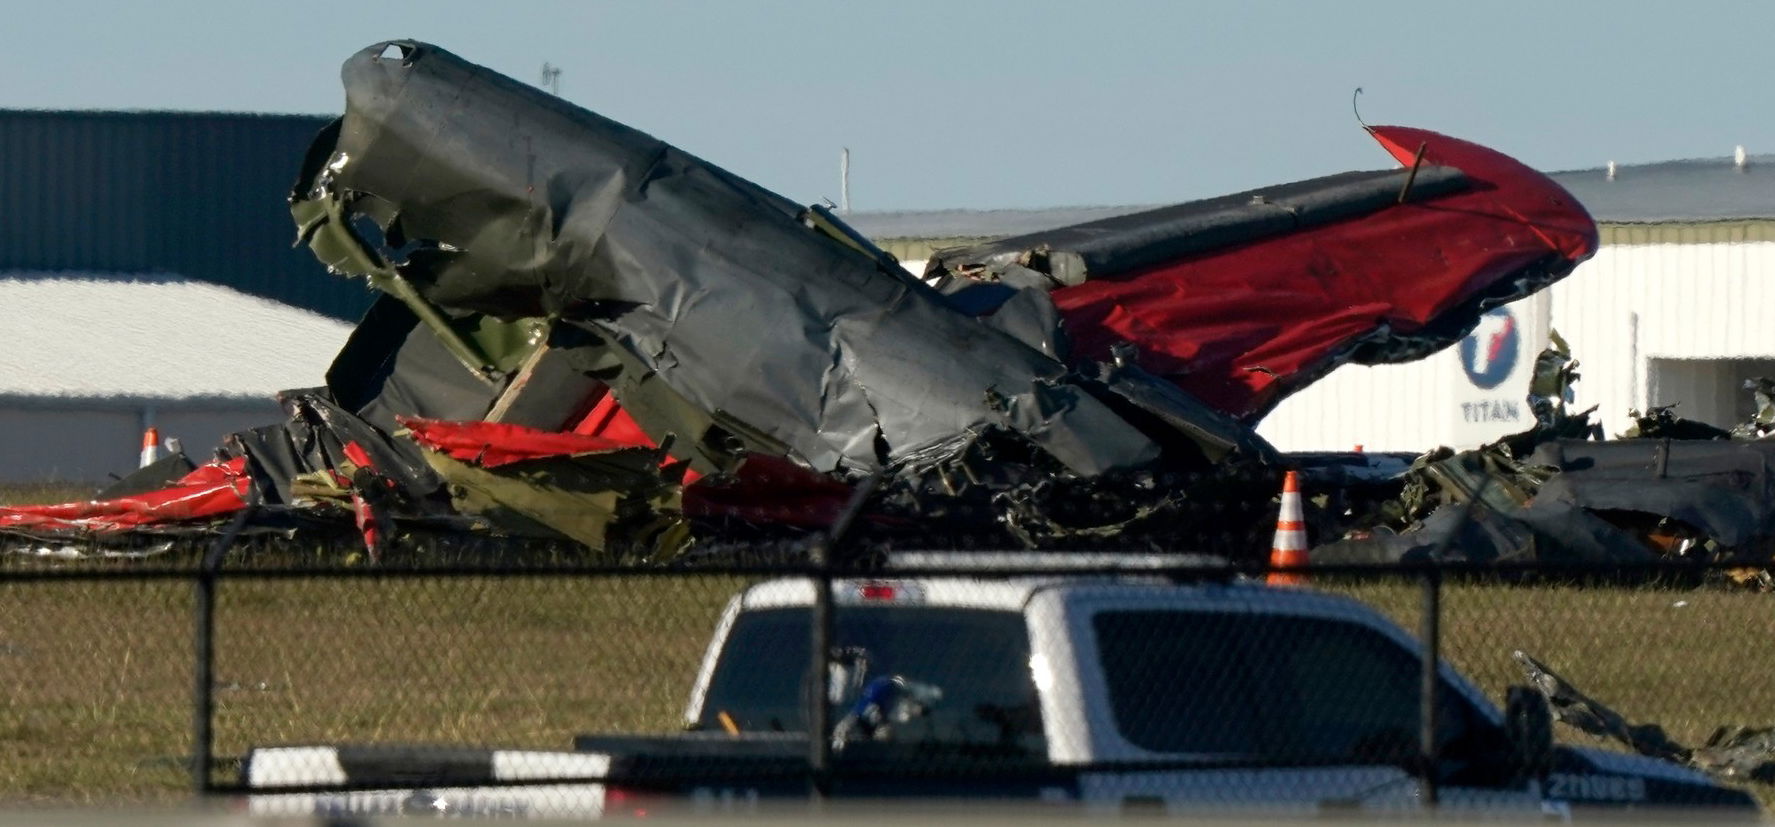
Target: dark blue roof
200, 194
1700, 189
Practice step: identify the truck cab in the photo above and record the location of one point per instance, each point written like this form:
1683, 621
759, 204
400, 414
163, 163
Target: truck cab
1140, 692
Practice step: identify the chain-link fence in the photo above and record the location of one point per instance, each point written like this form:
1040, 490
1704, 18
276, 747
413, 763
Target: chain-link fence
1115, 681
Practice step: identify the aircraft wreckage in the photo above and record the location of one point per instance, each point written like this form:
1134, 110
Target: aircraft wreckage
587, 336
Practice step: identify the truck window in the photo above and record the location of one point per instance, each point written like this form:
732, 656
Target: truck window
980, 659
1265, 686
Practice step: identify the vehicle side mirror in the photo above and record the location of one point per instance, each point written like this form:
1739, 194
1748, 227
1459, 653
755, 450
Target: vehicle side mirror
1528, 726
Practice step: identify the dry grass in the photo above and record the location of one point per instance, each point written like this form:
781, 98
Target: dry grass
97, 681
27, 493
95, 678
1689, 660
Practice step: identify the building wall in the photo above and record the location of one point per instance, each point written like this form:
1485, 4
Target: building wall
1710, 390
1665, 315
1381, 408
1686, 305
1419, 405
200, 194
88, 441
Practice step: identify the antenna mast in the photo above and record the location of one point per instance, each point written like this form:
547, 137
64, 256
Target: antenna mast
844, 181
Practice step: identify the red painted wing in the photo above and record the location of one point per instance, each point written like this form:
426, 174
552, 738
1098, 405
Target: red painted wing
1244, 326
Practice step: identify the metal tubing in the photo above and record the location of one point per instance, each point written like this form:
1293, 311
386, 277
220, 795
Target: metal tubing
1412, 176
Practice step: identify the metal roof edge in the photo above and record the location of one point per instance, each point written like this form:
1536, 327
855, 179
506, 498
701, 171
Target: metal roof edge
1710, 231
125, 402
161, 113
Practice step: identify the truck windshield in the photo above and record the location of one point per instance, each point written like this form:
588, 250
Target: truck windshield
979, 658
1264, 686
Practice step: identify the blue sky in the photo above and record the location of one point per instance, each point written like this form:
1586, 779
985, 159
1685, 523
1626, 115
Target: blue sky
983, 104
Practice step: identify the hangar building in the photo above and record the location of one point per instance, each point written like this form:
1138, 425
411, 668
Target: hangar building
147, 277
93, 360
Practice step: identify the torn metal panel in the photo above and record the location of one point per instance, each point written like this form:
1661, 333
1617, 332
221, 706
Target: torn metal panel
1578, 710
314, 439
1246, 299
712, 443
1216, 436
769, 490
493, 444
1725, 489
1028, 316
613, 502
394, 365
1762, 422
1483, 535
1529, 509
710, 285
1556, 492
1549, 390
1555, 372
1662, 423
1735, 752
604, 493
156, 475
548, 392
207, 493
1327, 469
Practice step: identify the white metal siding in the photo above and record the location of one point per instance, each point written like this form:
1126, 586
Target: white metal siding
1410, 407
67, 444
1631, 304
77, 441
1382, 408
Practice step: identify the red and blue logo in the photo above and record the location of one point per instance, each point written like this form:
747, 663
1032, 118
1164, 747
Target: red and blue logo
1489, 353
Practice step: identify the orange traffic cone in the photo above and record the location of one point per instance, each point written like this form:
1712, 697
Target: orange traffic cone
1289, 550
150, 447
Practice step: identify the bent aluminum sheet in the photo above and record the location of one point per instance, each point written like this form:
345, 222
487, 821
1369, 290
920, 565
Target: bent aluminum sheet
1244, 299
497, 198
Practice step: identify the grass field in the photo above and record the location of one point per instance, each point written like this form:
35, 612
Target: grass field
96, 677
45, 492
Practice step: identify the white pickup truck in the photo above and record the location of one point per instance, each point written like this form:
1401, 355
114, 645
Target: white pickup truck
1115, 694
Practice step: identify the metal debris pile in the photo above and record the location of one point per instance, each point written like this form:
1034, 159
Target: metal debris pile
1668, 488
1734, 752
587, 336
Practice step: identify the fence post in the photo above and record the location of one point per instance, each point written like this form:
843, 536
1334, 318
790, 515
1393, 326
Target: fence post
819, 700
1428, 749
819, 714
203, 690
203, 686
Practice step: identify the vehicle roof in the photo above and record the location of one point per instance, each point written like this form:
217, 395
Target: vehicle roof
1012, 593
1127, 590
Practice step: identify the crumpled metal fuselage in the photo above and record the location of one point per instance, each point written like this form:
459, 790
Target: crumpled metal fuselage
498, 198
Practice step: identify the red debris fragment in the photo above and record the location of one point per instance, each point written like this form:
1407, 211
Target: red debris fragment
210, 491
